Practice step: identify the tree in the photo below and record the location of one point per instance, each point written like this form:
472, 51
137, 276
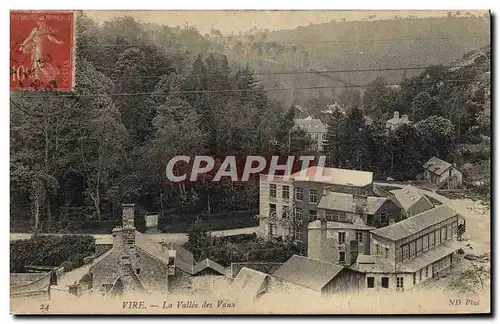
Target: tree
334, 137
350, 98
438, 136
407, 158
101, 138
422, 106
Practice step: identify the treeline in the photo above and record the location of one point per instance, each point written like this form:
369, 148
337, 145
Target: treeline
80, 155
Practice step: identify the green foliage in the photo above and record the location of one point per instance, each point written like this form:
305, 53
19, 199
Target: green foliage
68, 251
225, 250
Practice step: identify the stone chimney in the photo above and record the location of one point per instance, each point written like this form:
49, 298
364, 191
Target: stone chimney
396, 115
128, 215
359, 203
405, 119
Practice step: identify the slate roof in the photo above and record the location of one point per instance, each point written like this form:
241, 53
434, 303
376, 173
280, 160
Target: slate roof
416, 223
207, 263
409, 196
337, 225
249, 282
345, 202
335, 176
436, 165
307, 272
311, 125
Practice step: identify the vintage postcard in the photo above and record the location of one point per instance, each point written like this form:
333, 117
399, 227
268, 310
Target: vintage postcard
250, 162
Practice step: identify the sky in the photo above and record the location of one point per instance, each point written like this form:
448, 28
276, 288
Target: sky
240, 21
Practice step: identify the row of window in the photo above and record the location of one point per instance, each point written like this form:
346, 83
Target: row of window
313, 195
285, 191
384, 282
299, 214
414, 248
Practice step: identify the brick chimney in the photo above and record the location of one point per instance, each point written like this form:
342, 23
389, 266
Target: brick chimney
396, 115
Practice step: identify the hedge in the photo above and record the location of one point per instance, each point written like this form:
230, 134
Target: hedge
51, 250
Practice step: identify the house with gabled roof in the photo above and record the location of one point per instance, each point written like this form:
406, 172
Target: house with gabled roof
442, 174
313, 275
411, 200
249, 284
137, 263
315, 129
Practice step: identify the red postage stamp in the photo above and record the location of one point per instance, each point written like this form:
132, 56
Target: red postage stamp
41, 50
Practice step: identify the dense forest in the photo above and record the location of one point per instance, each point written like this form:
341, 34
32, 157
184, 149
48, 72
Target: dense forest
146, 93
371, 43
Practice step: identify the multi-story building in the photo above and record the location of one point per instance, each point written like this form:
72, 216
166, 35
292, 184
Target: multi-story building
315, 129
337, 242
408, 253
396, 121
287, 206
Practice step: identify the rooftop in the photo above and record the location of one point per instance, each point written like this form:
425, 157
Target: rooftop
345, 202
416, 223
436, 165
335, 176
409, 196
306, 272
250, 282
311, 125
335, 225
430, 256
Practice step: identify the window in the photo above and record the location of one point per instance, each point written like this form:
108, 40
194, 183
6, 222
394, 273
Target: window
359, 237
431, 240
313, 196
385, 282
323, 137
329, 215
138, 271
341, 217
299, 235
285, 212
299, 213
341, 237
313, 215
406, 252
412, 249
386, 252
443, 233
299, 194
414, 279
370, 282
384, 217
420, 275
377, 249
448, 232
272, 190
454, 228
272, 230
425, 243
426, 271
419, 245
341, 257
272, 208
286, 192
437, 235
399, 282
